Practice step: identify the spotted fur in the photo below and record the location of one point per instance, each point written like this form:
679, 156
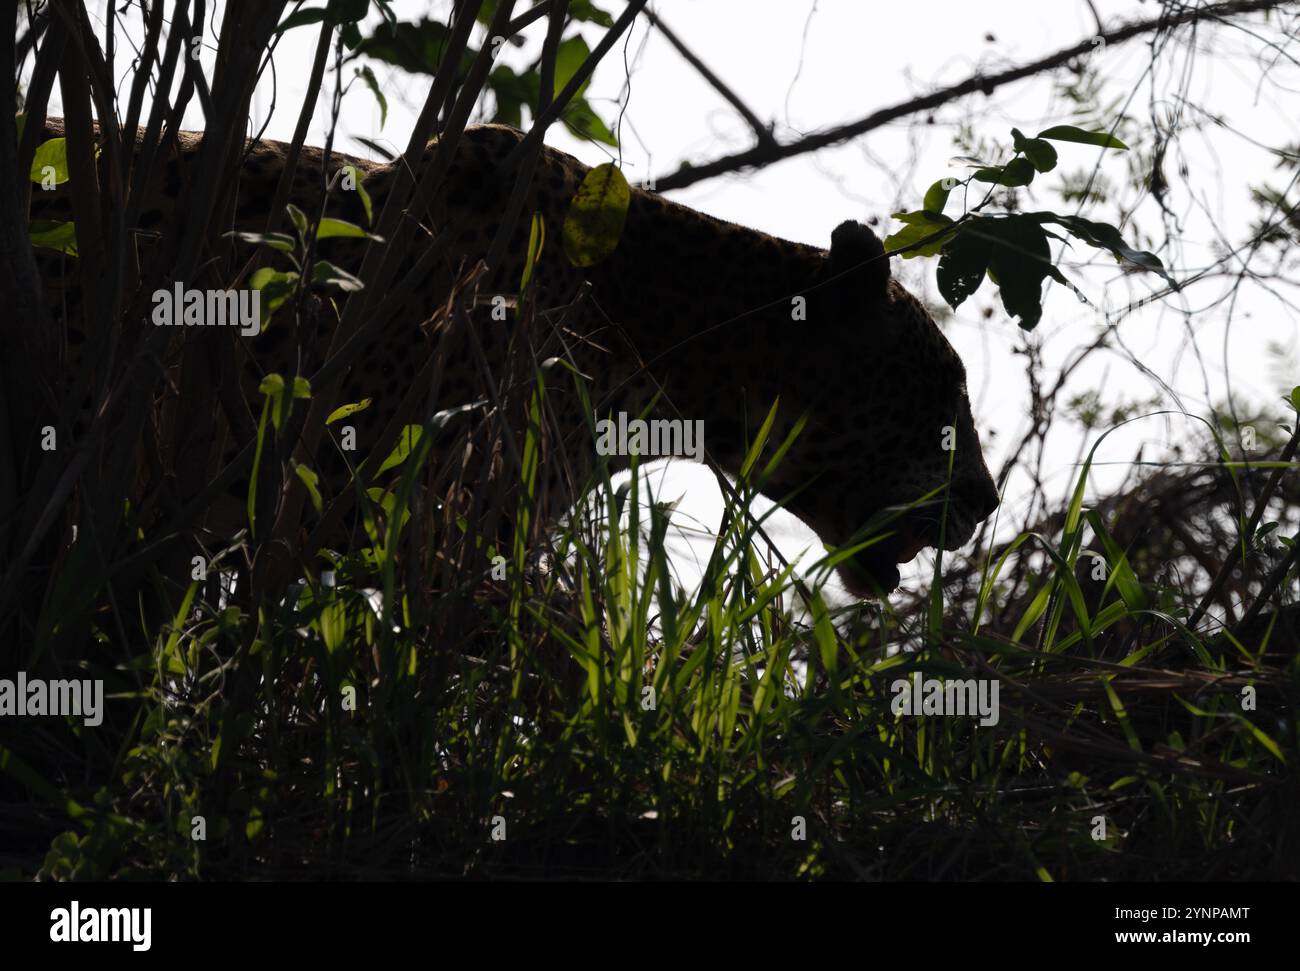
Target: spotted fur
699, 312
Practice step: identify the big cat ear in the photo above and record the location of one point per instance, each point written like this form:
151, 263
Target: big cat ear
857, 260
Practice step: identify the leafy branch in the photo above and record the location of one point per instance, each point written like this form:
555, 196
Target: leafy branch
1010, 248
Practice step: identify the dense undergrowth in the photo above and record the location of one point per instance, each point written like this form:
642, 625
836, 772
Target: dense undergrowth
425, 704
457, 686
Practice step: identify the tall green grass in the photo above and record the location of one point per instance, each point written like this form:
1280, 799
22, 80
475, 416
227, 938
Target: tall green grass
561, 707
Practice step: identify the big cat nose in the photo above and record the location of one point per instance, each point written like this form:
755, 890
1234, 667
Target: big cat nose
979, 492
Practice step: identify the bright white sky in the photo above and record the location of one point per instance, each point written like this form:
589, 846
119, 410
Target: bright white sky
809, 64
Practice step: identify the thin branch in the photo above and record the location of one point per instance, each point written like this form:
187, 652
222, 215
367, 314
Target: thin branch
1096, 17
762, 132
550, 51
526, 153
1270, 587
26, 337
305, 114
527, 17
986, 83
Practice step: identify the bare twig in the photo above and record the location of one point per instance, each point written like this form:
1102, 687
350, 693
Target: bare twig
986, 83
1270, 587
761, 132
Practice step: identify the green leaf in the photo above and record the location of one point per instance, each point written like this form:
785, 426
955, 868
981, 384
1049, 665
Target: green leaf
936, 197
325, 273
337, 12
1105, 236
570, 56
442, 418
512, 92
300, 18
51, 154
1121, 715
918, 226
359, 186
1068, 133
415, 46
1262, 738
368, 76
1033, 611
273, 387
277, 241
298, 218
365, 199
1295, 398
54, 234
588, 11
276, 286
312, 482
828, 645
536, 240
578, 115
1040, 154
1121, 573
962, 266
265, 277
388, 501
580, 119
347, 11
596, 216
350, 409
1019, 171
330, 227
1019, 259
267, 387
407, 439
